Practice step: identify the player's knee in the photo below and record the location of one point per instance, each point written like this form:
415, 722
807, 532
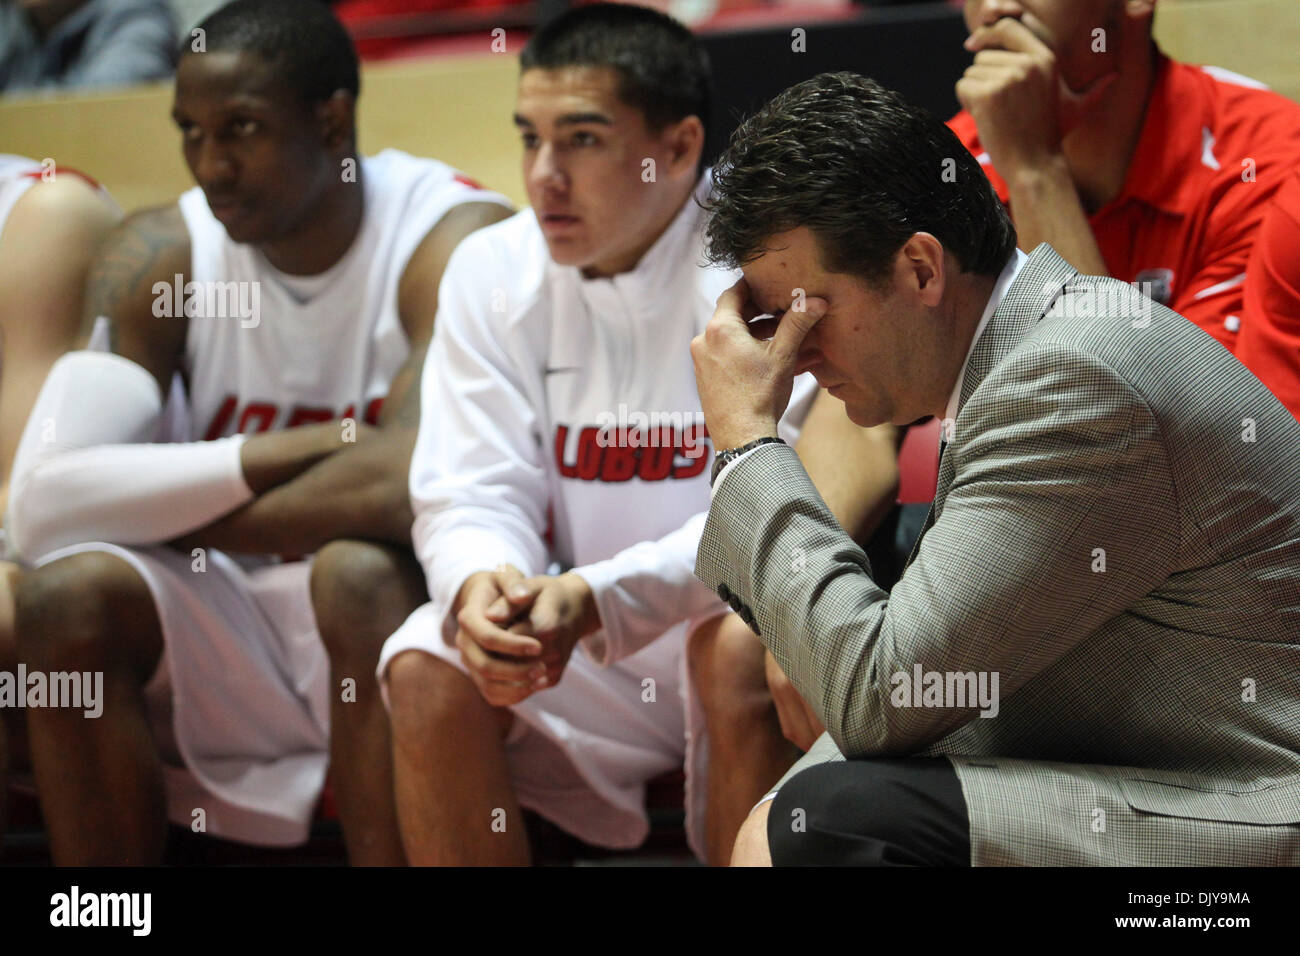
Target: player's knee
726, 665
426, 693
86, 611
348, 580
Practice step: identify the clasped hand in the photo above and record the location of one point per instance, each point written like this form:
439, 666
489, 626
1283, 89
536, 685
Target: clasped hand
516, 634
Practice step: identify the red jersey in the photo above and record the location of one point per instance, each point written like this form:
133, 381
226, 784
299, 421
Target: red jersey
1269, 342
1213, 151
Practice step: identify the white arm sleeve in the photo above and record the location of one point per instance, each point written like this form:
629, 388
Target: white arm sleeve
84, 473
644, 590
478, 485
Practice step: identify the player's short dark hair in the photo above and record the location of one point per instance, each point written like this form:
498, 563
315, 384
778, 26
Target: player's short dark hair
864, 170
663, 70
310, 50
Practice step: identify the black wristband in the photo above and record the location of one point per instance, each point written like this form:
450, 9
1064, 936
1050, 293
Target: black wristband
721, 458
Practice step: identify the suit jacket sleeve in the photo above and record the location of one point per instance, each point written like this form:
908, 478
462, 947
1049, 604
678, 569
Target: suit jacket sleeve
1060, 515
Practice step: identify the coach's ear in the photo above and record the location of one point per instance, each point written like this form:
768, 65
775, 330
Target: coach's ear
684, 141
921, 263
338, 118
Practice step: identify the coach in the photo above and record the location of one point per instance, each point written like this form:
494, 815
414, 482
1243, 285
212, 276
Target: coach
1091, 656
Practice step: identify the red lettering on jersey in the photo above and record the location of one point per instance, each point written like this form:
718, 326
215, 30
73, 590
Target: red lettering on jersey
657, 460
619, 462
612, 456
462, 178
561, 439
222, 418
261, 415
264, 412
305, 414
590, 453
693, 450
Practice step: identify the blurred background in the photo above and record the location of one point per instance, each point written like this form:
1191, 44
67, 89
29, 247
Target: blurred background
439, 75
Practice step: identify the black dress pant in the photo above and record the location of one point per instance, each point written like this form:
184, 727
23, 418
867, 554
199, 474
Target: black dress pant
906, 811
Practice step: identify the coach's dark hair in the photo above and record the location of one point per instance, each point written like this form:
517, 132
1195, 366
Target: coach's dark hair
311, 51
864, 170
663, 70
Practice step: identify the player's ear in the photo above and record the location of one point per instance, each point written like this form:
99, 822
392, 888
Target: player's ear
685, 142
337, 118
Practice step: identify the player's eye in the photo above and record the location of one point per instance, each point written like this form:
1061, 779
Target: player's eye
584, 138
529, 140
245, 127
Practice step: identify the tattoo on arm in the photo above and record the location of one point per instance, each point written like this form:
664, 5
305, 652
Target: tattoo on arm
147, 247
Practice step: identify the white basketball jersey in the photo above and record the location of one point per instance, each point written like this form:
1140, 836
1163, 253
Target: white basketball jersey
267, 351
17, 175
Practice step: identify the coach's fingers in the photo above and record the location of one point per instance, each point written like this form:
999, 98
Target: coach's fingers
764, 329
794, 327
736, 303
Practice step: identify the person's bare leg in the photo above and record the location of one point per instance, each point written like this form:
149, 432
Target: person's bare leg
752, 848
455, 802
362, 592
99, 779
12, 729
747, 751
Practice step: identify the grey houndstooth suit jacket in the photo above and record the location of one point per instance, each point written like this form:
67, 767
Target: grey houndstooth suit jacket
1149, 705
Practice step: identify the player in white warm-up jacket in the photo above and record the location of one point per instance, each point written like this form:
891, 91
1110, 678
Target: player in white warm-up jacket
561, 426
561, 449
294, 287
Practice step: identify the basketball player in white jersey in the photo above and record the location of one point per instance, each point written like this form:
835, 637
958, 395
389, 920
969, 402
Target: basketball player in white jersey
292, 291
51, 222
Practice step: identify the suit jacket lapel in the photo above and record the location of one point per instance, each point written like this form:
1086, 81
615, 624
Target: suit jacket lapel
1026, 300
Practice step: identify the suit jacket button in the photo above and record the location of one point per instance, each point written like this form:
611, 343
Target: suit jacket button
724, 592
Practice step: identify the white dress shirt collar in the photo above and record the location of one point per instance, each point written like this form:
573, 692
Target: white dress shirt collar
1008, 276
